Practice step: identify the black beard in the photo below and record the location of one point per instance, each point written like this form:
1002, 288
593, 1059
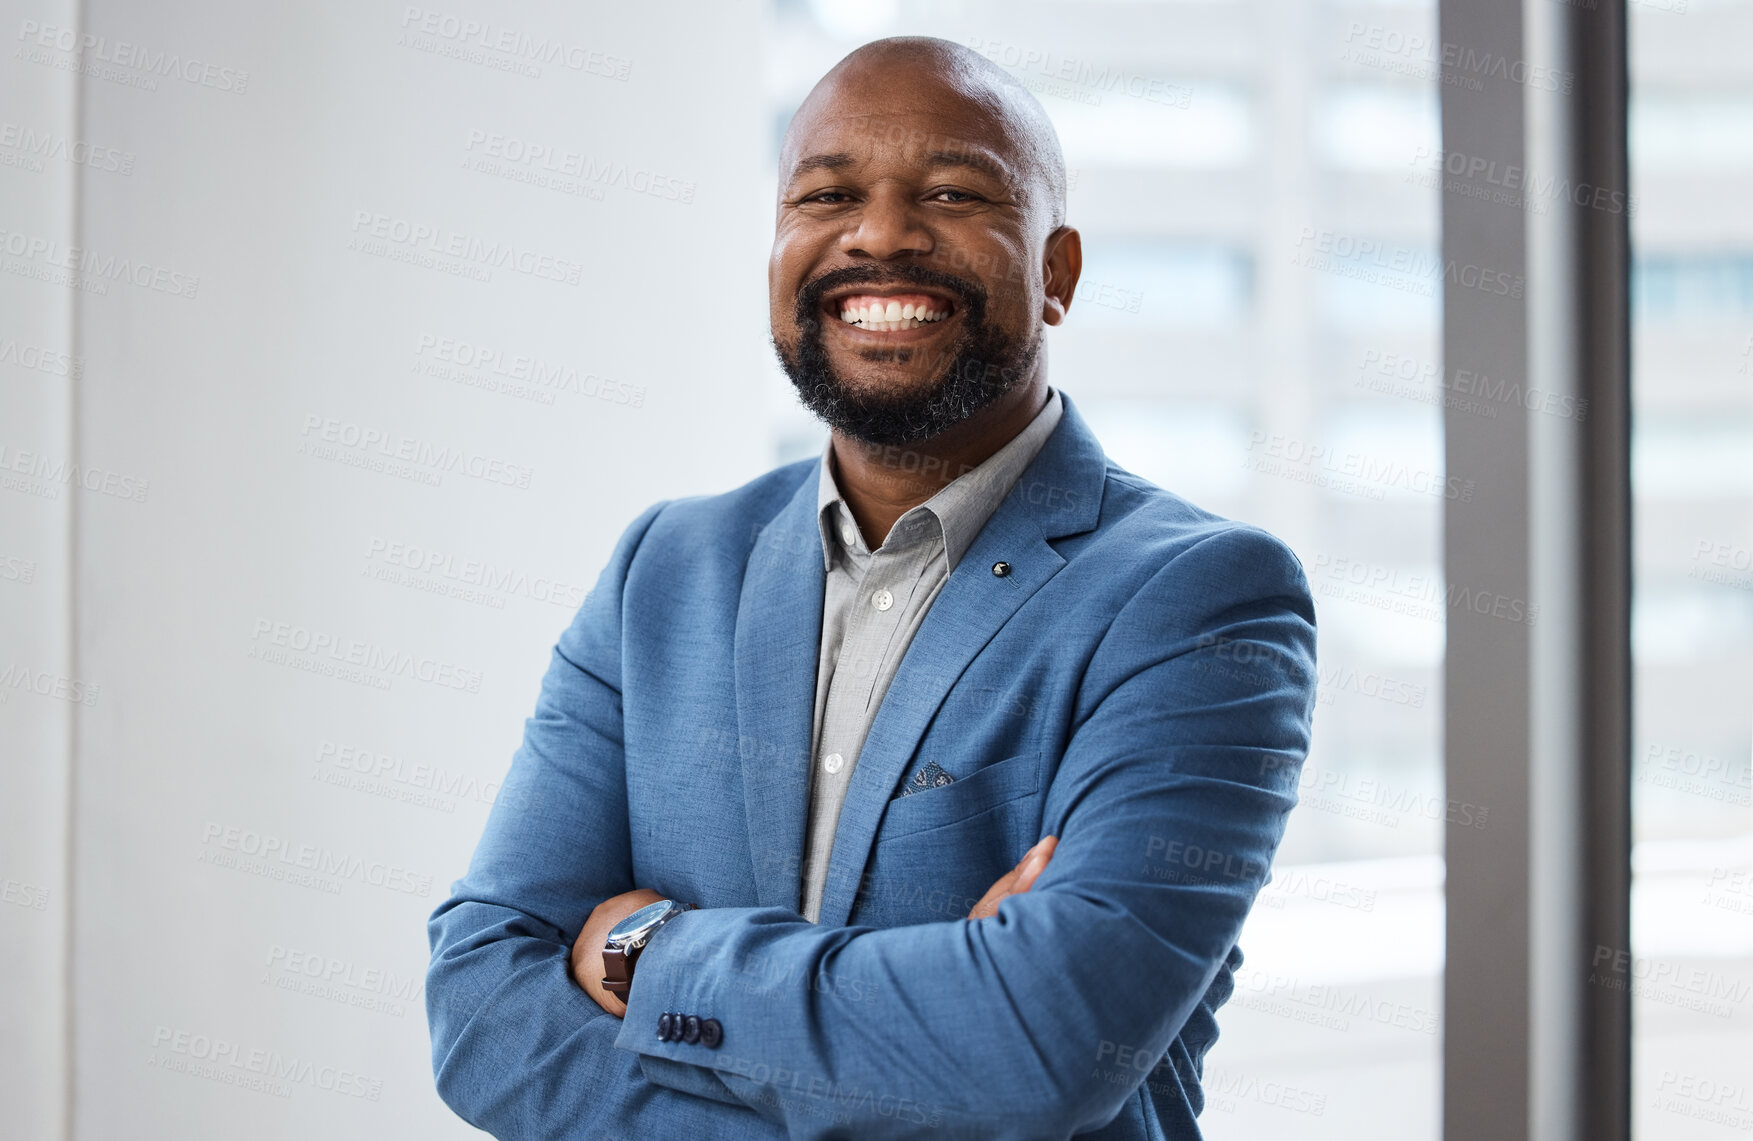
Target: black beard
984, 364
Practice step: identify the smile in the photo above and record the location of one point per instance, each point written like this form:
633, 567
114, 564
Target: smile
891, 313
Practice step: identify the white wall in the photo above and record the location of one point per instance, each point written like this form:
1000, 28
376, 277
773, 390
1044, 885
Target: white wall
261, 322
38, 120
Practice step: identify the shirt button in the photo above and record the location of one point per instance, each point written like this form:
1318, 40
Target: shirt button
847, 534
882, 600
833, 762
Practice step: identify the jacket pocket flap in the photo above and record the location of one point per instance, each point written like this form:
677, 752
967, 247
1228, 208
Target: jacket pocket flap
983, 789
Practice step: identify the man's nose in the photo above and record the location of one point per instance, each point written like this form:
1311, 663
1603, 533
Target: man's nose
889, 224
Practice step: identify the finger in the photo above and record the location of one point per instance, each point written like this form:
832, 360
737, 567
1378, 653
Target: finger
988, 904
1034, 864
1006, 883
1005, 886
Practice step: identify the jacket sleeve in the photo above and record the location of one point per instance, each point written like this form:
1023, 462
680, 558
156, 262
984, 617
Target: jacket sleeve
517, 1048
1169, 803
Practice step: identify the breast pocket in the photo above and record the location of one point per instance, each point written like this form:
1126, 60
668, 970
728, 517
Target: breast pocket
980, 791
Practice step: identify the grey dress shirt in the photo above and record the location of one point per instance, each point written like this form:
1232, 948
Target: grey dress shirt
873, 604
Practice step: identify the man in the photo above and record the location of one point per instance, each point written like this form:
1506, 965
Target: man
921, 789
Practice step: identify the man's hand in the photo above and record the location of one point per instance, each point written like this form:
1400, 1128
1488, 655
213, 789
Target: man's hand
1018, 880
587, 949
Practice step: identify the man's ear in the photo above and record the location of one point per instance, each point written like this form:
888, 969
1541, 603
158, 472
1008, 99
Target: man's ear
1061, 268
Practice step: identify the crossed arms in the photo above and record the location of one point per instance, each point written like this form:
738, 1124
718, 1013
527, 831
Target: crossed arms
1168, 801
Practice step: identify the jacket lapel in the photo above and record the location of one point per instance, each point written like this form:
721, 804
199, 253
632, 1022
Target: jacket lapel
1058, 494
778, 635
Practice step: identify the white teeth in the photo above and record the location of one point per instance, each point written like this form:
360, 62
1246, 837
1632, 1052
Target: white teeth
888, 318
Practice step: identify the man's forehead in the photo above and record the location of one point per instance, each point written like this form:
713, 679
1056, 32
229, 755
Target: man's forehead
845, 141
923, 158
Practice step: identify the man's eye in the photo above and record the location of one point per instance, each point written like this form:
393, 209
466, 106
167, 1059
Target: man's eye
957, 196
825, 195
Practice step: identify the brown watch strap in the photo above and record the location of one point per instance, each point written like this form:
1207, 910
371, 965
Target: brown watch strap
617, 972
618, 964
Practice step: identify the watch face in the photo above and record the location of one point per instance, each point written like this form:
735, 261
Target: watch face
633, 930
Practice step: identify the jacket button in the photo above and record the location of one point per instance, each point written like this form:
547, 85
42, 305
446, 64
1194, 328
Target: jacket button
664, 1024
711, 1033
691, 1029
1000, 569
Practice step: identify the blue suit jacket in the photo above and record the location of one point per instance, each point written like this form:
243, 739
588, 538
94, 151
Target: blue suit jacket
1140, 685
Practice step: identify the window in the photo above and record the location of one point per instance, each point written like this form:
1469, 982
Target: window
1691, 124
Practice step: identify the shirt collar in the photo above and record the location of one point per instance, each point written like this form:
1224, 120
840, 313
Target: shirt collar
959, 509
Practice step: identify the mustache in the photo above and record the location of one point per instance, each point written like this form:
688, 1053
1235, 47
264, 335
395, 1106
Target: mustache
971, 294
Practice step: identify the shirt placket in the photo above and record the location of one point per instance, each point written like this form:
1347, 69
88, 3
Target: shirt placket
876, 615
886, 583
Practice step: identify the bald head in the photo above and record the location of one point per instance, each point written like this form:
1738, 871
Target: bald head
982, 110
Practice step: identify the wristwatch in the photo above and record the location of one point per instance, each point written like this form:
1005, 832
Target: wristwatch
629, 937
